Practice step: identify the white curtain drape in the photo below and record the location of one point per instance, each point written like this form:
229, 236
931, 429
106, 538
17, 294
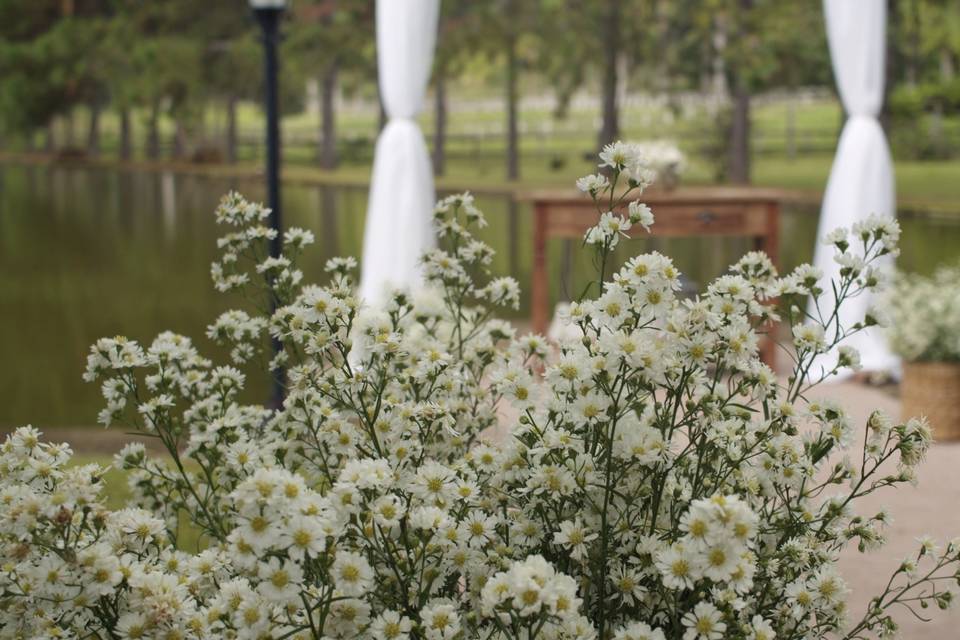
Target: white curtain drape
399, 213
861, 180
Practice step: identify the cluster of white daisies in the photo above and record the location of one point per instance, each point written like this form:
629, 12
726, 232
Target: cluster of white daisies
924, 323
431, 475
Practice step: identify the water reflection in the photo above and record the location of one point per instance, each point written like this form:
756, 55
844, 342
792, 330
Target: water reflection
168, 202
86, 253
327, 206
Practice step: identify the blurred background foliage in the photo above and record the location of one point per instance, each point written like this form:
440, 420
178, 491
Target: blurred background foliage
180, 78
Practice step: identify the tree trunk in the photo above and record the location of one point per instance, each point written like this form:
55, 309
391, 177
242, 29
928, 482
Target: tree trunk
947, 70
610, 128
179, 147
126, 145
50, 137
328, 115
69, 131
738, 169
705, 67
791, 129
936, 129
231, 142
311, 91
739, 166
719, 66
93, 133
662, 72
513, 143
913, 59
440, 121
153, 133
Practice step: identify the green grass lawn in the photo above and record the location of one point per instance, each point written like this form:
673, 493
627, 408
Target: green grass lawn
116, 493
920, 184
115, 489
555, 152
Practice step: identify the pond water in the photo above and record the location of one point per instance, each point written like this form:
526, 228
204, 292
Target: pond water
86, 253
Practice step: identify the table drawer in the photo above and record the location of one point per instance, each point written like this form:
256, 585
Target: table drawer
671, 220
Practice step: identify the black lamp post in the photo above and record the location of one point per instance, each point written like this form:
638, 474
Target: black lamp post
268, 14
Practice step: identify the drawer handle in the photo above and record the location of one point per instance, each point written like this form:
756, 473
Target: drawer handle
706, 217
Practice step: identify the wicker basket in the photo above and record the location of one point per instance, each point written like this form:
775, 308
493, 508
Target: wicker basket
932, 389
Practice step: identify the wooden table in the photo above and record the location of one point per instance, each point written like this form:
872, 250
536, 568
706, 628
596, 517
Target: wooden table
684, 212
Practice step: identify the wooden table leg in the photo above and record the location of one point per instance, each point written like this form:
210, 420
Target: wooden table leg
539, 285
769, 243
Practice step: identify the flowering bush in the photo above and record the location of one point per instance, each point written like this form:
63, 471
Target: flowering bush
925, 316
656, 481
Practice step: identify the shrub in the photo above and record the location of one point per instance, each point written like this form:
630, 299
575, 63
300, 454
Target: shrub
925, 316
655, 481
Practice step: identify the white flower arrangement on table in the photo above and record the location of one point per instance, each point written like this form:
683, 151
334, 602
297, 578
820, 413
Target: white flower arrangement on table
657, 482
925, 316
663, 157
